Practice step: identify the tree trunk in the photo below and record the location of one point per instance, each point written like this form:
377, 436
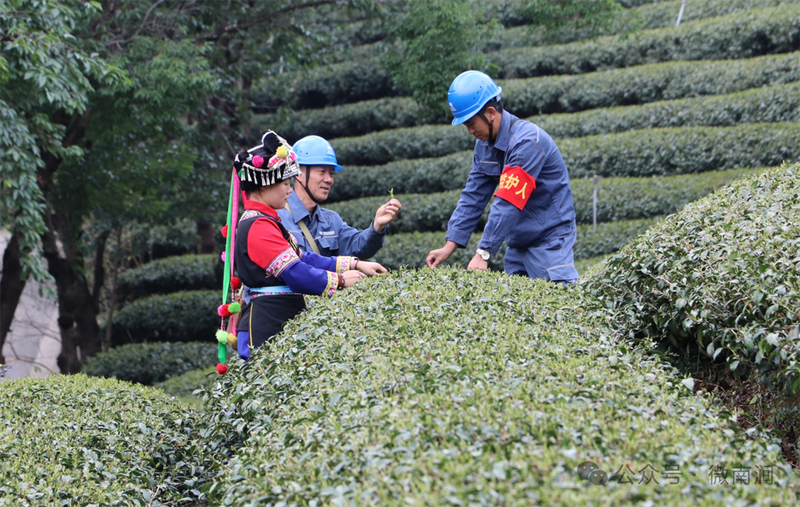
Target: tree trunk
206, 232
11, 287
77, 306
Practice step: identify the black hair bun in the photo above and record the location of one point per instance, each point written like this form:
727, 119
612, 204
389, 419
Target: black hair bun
270, 141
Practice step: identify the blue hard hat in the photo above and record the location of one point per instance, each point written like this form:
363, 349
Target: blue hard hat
469, 92
314, 150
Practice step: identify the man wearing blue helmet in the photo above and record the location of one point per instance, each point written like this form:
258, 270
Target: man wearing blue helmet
521, 165
321, 230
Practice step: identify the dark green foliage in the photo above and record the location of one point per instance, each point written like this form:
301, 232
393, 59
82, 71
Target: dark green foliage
148, 363
737, 36
651, 15
618, 199
326, 85
436, 39
183, 316
173, 274
411, 249
183, 386
665, 152
489, 386
336, 121
74, 440
761, 105
401, 144
654, 152
740, 35
562, 94
720, 277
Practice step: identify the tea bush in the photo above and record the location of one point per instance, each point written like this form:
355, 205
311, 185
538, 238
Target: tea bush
556, 94
652, 15
618, 199
183, 386
720, 276
649, 152
411, 249
439, 387
740, 35
171, 274
761, 105
183, 316
75, 440
148, 363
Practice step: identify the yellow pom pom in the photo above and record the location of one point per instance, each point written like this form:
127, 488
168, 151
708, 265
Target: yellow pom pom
232, 339
282, 152
222, 337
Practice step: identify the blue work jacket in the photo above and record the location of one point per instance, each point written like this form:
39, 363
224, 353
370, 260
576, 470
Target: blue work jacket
549, 211
332, 235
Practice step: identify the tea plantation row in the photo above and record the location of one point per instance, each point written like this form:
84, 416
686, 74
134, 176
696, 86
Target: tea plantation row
618, 199
740, 35
762, 105
653, 152
553, 94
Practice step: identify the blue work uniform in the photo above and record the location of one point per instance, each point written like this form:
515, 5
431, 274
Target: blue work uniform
332, 235
541, 235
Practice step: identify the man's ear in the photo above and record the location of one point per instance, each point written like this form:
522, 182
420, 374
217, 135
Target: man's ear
492, 110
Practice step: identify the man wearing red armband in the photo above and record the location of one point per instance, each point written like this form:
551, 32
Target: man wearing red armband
521, 165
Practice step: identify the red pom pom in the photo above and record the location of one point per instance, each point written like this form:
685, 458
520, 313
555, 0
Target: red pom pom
258, 161
222, 369
235, 282
224, 231
224, 311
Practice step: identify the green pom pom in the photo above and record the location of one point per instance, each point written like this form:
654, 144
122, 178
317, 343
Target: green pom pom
234, 307
222, 337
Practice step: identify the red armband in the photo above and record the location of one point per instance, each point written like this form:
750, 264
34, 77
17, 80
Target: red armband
516, 186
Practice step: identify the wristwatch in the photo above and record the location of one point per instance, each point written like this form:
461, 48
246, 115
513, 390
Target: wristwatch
483, 253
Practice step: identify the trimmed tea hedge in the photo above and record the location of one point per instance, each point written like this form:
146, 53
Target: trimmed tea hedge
737, 36
411, 249
75, 440
184, 316
183, 386
172, 274
618, 199
761, 105
720, 276
148, 363
335, 121
560, 94
652, 152
740, 35
326, 85
442, 387
653, 15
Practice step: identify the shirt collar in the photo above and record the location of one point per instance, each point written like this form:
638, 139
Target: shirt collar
299, 210
503, 133
269, 210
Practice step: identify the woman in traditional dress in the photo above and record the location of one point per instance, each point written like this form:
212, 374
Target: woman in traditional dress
267, 260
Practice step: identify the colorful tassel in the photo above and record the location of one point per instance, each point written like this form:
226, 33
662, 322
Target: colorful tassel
235, 283
222, 256
234, 308
232, 340
222, 369
222, 337
224, 231
224, 311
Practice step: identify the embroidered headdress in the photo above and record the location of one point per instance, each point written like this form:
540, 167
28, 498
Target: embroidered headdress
269, 163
